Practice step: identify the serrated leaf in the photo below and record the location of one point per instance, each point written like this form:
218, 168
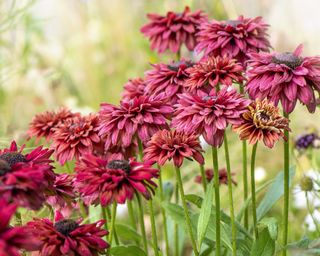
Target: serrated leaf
272, 225
127, 233
274, 193
127, 250
205, 213
264, 245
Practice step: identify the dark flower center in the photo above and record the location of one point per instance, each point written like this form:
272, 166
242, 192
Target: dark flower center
119, 164
4, 167
180, 64
264, 117
233, 23
65, 227
290, 60
12, 158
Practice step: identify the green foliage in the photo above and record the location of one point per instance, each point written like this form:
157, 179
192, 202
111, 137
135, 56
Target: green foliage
127, 250
264, 245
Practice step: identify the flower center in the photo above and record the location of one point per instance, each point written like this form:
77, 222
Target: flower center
119, 164
263, 116
233, 23
12, 158
180, 64
65, 227
4, 168
290, 60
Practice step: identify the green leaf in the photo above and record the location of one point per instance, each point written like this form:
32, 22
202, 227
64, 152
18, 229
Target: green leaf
301, 244
264, 246
127, 250
272, 225
127, 233
174, 211
195, 199
274, 193
205, 213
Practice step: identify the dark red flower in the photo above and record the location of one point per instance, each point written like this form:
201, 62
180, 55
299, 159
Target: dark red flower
102, 181
75, 137
69, 237
223, 177
167, 79
233, 38
13, 239
285, 77
43, 124
166, 145
212, 72
173, 30
25, 178
141, 117
133, 88
64, 192
209, 114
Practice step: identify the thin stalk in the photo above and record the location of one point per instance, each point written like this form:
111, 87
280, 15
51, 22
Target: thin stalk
233, 225
140, 146
186, 212
163, 212
245, 174
203, 177
286, 151
176, 227
113, 221
217, 198
311, 214
131, 214
104, 217
141, 220
253, 190
153, 229
178, 55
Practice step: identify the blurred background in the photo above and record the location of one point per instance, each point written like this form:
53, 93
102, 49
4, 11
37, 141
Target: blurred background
79, 53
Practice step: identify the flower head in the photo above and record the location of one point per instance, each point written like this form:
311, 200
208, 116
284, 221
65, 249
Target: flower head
102, 181
75, 137
285, 77
262, 121
306, 141
213, 71
168, 79
223, 177
141, 117
43, 124
69, 237
233, 38
173, 30
12, 239
25, 178
209, 114
133, 88
166, 145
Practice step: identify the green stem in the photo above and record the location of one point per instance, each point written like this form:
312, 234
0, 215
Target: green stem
18, 218
203, 177
113, 221
253, 190
131, 214
233, 225
176, 227
140, 146
142, 227
286, 151
104, 216
217, 198
186, 212
178, 55
153, 229
163, 212
311, 214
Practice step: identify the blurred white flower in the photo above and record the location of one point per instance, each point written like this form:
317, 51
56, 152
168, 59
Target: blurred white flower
260, 173
203, 143
309, 222
72, 104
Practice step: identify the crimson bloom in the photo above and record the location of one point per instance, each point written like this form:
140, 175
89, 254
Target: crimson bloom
133, 88
25, 178
166, 145
43, 124
233, 38
173, 30
209, 114
75, 137
69, 237
102, 181
141, 117
223, 177
12, 239
285, 77
213, 71
168, 79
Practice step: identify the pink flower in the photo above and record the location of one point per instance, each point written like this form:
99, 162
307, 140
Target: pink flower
167, 79
141, 117
173, 30
133, 88
285, 77
209, 114
166, 145
233, 38
223, 177
102, 181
